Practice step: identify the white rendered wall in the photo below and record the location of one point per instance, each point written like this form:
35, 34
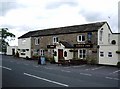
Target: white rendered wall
106, 46
25, 43
9, 49
108, 60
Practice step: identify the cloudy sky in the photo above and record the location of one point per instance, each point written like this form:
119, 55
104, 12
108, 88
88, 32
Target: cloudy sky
21, 16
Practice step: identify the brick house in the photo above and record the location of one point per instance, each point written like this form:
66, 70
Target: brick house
71, 42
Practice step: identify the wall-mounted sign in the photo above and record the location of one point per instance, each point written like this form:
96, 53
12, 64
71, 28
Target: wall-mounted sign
83, 45
51, 46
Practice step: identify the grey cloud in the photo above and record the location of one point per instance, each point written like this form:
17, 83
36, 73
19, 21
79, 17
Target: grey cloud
90, 15
53, 5
6, 5
7, 26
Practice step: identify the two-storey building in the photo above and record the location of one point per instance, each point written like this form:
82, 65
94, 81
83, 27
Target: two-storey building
86, 42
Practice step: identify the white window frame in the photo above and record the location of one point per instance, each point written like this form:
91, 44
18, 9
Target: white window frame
42, 52
101, 35
36, 41
110, 54
55, 39
81, 38
101, 54
109, 37
23, 41
82, 53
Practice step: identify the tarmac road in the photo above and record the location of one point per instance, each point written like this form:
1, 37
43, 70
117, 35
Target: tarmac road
25, 73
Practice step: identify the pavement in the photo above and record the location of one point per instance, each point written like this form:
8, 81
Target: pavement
18, 72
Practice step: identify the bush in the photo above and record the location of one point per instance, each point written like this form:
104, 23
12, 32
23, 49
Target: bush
50, 59
93, 61
35, 57
118, 64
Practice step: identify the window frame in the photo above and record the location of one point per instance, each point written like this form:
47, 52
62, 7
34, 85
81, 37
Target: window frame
80, 40
101, 35
65, 54
42, 52
101, 54
82, 54
37, 41
109, 37
23, 41
109, 54
55, 39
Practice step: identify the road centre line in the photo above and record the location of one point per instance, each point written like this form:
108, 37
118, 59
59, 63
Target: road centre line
26, 64
46, 80
48, 68
97, 68
112, 78
65, 71
36, 66
116, 71
85, 74
11, 61
6, 68
79, 66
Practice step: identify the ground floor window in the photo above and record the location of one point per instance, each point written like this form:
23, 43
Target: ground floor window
82, 53
109, 54
42, 52
102, 54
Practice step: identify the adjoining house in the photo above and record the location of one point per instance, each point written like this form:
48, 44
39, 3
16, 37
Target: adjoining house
12, 50
93, 41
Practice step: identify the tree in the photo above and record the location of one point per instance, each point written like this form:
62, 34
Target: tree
4, 34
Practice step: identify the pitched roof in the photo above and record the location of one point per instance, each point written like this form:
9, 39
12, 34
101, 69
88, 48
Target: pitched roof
66, 44
65, 30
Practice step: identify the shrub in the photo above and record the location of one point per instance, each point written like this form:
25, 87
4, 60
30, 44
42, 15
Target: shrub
93, 61
35, 57
118, 64
51, 59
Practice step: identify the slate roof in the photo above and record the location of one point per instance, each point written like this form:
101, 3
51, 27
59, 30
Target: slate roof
66, 44
65, 30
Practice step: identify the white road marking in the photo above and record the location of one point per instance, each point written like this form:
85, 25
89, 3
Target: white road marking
36, 66
11, 61
18, 63
65, 71
87, 69
66, 67
112, 78
98, 68
79, 66
26, 64
85, 74
46, 80
6, 68
116, 71
48, 68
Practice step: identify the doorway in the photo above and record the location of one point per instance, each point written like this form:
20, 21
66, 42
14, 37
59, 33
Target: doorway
60, 54
13, 51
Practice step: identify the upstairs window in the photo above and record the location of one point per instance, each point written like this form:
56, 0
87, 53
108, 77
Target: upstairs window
101, 34
80, 38
23, 41
37, 41
109, 38
55, 39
